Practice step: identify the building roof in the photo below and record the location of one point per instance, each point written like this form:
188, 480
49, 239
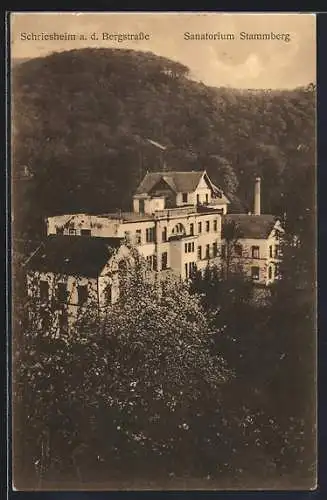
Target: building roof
250, 226
73, 255
180, 182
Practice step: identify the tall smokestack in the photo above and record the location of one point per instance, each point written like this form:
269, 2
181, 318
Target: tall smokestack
257, 196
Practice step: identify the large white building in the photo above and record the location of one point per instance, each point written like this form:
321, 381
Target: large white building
179, 223
175, 223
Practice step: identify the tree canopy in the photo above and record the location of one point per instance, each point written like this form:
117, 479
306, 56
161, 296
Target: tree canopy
82, 119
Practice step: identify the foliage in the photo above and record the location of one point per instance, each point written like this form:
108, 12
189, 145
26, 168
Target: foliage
133, 390
271, 346
82, 119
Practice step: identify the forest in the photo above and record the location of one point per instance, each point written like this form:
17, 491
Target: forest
82, 120
201, 385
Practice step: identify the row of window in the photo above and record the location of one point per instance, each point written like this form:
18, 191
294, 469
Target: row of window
149, 233
73, 232
177, 230
255, 272
190, 268
207, 226
189, 247
152, 262
62, 292
238, 251
207, 254
47, 319
185, 198
255, 251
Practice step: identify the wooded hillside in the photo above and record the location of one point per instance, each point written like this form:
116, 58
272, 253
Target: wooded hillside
82, 119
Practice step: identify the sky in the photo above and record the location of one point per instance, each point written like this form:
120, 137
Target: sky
236, 63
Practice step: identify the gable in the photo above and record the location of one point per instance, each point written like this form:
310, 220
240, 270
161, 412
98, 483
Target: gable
163, 185
204, 184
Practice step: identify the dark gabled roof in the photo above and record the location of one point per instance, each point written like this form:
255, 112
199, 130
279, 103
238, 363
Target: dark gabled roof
73, 255
250, 226
180, 182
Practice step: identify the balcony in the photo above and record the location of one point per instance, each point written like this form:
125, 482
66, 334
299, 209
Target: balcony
186, 210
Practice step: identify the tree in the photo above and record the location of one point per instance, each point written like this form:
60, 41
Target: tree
133, 391
77, 113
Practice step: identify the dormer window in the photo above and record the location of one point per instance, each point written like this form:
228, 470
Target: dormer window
184, 197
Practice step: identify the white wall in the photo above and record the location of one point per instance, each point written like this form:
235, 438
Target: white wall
153, 204
263, 262
33, 289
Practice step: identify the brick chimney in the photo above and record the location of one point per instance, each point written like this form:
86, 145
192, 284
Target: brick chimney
257, 196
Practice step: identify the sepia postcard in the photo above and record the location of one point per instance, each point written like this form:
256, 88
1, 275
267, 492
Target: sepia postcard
163, 187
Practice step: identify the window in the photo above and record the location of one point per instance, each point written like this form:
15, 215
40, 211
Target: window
44, 290
138, 237
108, 294
72, 231
223, 251
152, 262
60, 230
141, 206
127, 235
200, 227
164, 234
199, 253
191, 229
184, 197
85, 232
270, 251
82, 294
45, 320
198, 199
189, 247
186, 270
150, 234
215, 249
207, 251
270, 272
178, 229
164, 260
185, 247
208, 226
193, 246
277, 271
238, 249
255, 252
207, 198
62, 293
255, 272
63, 320
215, 225
191, 268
